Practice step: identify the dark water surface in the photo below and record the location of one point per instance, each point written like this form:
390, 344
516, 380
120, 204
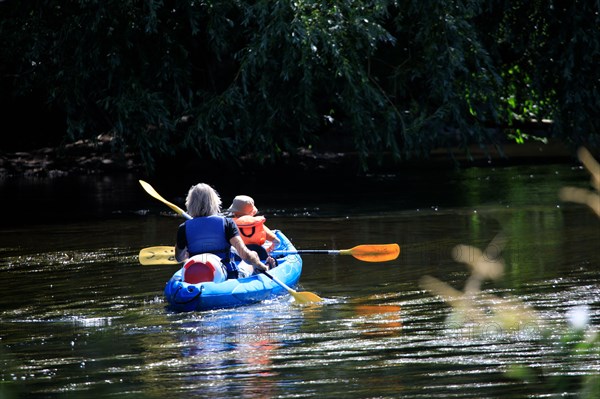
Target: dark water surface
79, 317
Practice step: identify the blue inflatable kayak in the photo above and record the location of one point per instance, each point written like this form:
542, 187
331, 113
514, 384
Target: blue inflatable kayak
185, 297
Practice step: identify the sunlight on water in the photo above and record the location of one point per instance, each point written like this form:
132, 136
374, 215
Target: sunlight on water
80, 316
399, 337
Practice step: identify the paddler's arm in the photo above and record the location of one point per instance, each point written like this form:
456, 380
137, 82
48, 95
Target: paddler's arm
181, 252
247, 255
271, 237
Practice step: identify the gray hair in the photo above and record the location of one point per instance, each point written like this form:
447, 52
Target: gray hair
203, 200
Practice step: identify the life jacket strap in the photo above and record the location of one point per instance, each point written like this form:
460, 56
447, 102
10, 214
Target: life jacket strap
243, 231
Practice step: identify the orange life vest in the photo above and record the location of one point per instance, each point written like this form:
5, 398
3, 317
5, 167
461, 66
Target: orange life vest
251, 229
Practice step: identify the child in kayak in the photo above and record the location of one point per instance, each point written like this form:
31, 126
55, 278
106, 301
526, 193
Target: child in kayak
252, 228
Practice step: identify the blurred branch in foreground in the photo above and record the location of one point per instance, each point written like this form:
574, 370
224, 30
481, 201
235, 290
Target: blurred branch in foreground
580, 195
572, 348
476, 309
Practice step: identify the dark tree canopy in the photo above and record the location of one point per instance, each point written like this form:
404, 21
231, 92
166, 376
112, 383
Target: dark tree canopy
232, 77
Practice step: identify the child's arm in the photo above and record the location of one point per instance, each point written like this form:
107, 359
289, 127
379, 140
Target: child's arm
271, 237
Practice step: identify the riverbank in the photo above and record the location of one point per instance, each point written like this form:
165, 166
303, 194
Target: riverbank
82, 157
85, 157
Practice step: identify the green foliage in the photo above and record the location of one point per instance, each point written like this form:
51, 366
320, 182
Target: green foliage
229, 78
441, 77
571, 348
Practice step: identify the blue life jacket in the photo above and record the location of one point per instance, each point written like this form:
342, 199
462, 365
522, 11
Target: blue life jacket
207, 235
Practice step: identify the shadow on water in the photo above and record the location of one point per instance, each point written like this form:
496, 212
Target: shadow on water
79, 315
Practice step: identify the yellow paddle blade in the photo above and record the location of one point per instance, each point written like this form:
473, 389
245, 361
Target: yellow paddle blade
161, 255
150, 190
300, 297
305, 297
373, 253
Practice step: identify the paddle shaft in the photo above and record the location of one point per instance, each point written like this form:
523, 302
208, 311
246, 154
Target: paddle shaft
366, 252
309, 251
166, 255
281, 283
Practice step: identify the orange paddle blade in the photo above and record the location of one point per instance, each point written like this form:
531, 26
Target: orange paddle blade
373, 253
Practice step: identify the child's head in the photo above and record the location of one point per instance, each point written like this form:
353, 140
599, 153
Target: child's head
242, 205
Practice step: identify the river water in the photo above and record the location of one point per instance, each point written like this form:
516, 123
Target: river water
80, 317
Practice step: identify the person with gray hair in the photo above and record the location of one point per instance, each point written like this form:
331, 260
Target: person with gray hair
209, 232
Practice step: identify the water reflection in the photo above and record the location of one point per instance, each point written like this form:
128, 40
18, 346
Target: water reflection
379, 320
221, 347
79, 315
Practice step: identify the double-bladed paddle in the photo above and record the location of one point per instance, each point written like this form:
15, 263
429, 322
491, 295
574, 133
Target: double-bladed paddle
162, 255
